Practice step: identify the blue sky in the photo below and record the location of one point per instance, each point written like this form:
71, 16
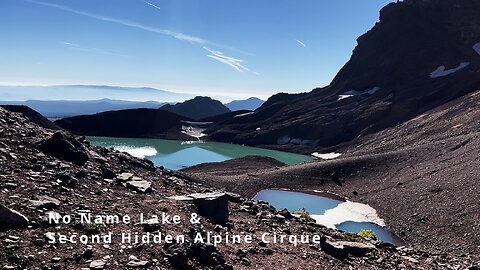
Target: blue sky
207, 47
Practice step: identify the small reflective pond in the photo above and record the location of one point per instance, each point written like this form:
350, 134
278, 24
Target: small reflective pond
345, 216
381, 232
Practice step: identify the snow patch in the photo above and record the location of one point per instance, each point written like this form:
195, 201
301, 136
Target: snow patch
349, 211
354, 93
442, 72
138, 152
340, 97
195, 132
191, 142
243, 114
476, 47
326, 156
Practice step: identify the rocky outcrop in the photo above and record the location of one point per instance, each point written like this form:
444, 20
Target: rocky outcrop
11, 219
140, 186
45, 202
134, 123
213, 206
343, 249
248, 164
134, 183
65, 147
97, 264
424, 165
197, 108
29, 174
421, 54
32, 115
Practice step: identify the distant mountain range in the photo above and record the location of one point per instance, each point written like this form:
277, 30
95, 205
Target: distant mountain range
250, 104
89, 92
51, 101
165, 122
68, 108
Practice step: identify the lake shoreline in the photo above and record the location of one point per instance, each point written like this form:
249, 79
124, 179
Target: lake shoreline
366, 178
178, 154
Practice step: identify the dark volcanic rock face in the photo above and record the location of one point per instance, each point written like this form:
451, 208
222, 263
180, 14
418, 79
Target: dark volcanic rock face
421, 176
137, 123
420, 55
32, 115
65, 147
197, 108
11, 219
32, 184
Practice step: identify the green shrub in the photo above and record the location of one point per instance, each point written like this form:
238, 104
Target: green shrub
369, 234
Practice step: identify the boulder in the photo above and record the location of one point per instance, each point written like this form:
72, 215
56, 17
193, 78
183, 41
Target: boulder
285, 213
177, 257
66, 180
233, 197
11, 219
205, 254
97, 264
140, 186
151, 225
213, 205
123, 177
65, 147
356, 248
333, 249
138, 264
45, 202
108, 174
342, 249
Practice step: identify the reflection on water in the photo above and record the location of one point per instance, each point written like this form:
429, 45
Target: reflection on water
381, 233
139, 152
176, 155
296, 200
322, 208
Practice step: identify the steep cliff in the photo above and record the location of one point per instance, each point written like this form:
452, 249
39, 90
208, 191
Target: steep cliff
421, 54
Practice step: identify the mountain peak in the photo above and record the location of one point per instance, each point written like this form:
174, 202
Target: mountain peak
197, 108
250, 104
421, 54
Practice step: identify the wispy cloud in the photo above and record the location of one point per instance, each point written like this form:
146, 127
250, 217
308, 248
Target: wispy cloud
152, 5
77, 47
301, 43
176, 35
227, 60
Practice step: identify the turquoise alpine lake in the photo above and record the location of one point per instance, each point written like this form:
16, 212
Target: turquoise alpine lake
177, 155
318, 205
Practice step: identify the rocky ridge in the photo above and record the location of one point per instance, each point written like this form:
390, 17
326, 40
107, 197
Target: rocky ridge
420, 176
35, 184
420, 55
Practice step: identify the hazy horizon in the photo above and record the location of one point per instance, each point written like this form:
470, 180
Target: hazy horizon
15, 93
